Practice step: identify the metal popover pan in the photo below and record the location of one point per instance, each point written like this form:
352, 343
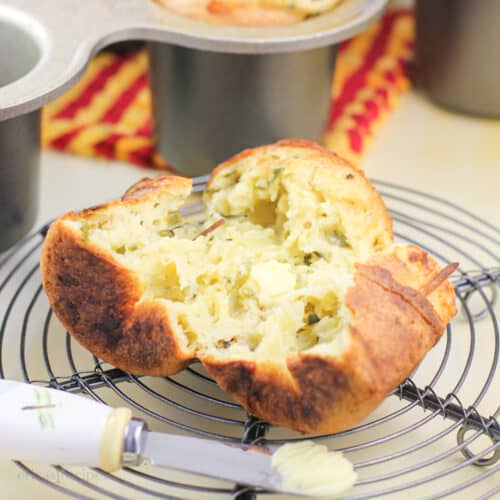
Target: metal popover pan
69, 32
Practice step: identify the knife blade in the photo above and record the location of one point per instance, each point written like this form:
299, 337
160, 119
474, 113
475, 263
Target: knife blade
243, 464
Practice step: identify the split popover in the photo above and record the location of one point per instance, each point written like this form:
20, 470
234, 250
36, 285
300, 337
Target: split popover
291, 294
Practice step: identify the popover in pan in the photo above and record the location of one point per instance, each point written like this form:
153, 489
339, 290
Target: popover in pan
248, 12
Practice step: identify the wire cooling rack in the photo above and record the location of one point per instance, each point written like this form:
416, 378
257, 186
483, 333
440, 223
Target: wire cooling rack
436, 436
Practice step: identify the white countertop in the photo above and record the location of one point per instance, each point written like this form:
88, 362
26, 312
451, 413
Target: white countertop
420, 146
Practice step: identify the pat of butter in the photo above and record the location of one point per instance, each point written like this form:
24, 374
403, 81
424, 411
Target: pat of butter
273, 278
313, 469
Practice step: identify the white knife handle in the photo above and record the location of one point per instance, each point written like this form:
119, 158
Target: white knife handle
54, 427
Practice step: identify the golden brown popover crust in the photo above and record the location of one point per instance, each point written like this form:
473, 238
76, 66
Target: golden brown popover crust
400, 303
95, 297
96, 300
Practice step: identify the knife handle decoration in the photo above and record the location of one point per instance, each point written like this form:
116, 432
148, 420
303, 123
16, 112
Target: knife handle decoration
54, 427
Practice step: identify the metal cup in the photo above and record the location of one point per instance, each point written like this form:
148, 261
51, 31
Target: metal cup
208, 106
457, 54
19, 141
19, 165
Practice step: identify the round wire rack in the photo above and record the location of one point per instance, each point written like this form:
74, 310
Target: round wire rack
435, 436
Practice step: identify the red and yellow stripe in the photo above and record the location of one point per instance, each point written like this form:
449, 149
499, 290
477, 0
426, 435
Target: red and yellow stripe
107, 113
370, 89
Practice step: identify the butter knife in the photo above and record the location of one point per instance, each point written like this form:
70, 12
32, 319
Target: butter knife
49, 426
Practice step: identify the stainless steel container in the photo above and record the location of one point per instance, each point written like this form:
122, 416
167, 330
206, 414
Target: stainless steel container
457, 54
19, 141
19, 165
208, 106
